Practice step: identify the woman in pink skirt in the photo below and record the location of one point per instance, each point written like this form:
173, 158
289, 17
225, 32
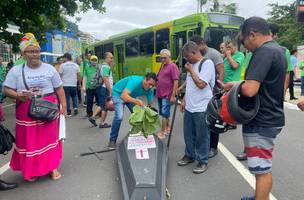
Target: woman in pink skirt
38, 150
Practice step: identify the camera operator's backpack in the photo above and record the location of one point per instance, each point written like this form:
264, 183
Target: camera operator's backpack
6, 140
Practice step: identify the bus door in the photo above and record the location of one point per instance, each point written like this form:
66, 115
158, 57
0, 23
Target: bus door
180, 38
120, 60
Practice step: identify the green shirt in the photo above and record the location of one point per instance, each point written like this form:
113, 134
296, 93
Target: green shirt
230, 73
289, 64
89, 72
301, 67
134, 85
106, 72
245, 65
2, 73
20, 61
81, 69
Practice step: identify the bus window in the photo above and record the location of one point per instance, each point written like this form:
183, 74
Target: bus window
132, 47
107, 48
146, 43
99, 51
215, 36
162, 40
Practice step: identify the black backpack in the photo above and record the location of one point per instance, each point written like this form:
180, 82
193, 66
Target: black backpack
6, 140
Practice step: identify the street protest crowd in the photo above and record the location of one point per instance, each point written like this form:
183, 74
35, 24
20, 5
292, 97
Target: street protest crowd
267, 70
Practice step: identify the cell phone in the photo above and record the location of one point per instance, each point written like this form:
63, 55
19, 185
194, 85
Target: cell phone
26, 92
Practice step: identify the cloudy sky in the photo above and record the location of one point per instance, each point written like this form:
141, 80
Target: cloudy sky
124, 15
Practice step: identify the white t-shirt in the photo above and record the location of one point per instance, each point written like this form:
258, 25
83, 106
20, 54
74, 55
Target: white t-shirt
69, 71
197, 99
41, 80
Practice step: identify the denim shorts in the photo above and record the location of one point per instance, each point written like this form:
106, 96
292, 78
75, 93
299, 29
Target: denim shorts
102, 96
164, 107
259, 145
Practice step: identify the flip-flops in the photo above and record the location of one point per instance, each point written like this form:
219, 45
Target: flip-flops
55, 175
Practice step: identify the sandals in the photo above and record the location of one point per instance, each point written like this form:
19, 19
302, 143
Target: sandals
33, 179
161, 135
55, 175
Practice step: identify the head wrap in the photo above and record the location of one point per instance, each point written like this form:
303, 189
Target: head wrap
28, 40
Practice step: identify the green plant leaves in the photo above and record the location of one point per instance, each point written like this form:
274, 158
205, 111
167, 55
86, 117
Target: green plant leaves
144, 120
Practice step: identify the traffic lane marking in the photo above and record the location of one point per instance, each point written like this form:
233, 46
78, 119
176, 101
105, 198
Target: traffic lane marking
240, 167
4, 168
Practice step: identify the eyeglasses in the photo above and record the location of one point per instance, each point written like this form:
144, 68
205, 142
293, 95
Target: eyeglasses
163, 58
32, 52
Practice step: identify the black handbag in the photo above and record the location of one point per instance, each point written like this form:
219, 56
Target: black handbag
39, 108
6, 140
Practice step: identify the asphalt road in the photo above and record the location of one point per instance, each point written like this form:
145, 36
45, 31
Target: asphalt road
87, 178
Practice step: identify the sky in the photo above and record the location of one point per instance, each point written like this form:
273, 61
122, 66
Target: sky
125, 15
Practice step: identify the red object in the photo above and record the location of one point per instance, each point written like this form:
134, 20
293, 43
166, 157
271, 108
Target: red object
258, 152
224, 112
109, 105
1, 113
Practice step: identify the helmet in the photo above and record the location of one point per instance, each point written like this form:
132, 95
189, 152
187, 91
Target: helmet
213, 119
238, 109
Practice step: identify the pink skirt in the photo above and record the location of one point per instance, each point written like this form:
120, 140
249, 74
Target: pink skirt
38, 150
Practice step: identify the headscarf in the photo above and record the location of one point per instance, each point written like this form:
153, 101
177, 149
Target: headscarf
28, 40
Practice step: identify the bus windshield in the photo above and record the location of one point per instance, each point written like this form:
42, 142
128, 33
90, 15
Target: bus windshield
215, 36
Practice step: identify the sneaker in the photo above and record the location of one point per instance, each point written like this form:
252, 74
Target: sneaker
69, 115
200, 168
105, 125
231, 127
75, 111
242, 157
212, 152
92, 120
112, 145
185, 161
84, 105
248, 198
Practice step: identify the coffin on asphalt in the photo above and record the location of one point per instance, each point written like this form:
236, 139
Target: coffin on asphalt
143, 177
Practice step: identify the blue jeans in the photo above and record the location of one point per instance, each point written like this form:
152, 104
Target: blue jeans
164, 107
302, 85
119, 109
71, 93
196, 136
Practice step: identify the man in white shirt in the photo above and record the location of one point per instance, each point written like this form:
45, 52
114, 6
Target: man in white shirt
200, 82
69, 72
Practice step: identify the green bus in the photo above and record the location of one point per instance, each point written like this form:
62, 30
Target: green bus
137, 52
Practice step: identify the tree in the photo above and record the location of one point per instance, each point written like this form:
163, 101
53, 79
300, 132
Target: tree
229, 8
291, 33
223, 8
216, 6
200, 4
40, 16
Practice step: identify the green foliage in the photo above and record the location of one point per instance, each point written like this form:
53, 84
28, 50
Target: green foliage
40, 16
144, 120
291, 33
223, 8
